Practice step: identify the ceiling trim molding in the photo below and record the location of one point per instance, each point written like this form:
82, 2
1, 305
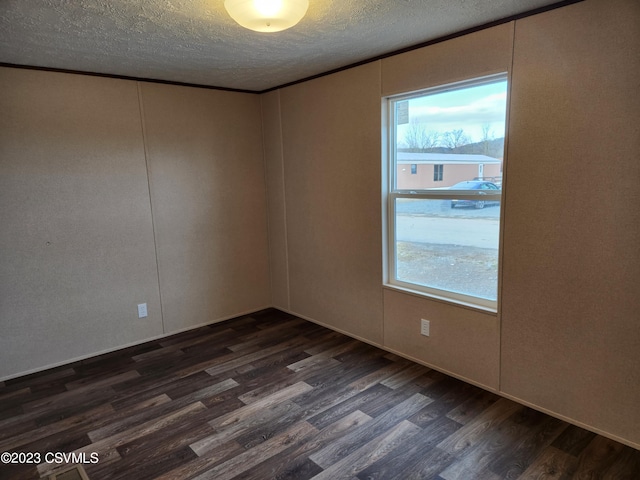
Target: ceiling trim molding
461, 33
124, 77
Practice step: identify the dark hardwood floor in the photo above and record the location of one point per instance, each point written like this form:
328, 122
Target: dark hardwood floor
271, 396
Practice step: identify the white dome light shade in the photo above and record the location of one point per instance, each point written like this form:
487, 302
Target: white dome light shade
267, 15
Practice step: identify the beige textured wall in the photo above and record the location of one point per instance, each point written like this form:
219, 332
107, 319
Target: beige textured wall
478, 54
571, 295
463, 342
77, 250
331, 148
274, 172
76, 237
207, 180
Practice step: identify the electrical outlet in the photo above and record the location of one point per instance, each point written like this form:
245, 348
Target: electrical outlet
142, 310
424, 327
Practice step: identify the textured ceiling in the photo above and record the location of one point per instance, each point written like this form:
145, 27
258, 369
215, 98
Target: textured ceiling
195, 41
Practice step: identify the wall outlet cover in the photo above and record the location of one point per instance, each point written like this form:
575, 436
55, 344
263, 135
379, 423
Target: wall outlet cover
424, 327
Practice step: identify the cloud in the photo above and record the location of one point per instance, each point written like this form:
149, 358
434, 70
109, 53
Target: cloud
487, 109
441, 115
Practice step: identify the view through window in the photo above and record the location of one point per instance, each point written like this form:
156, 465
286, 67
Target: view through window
445, 171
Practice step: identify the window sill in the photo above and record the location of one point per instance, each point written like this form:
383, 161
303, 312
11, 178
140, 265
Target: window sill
440, 299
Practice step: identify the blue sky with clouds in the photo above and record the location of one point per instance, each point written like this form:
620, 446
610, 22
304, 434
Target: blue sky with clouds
468, 109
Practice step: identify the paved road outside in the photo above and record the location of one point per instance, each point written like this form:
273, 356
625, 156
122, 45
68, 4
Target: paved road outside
439, 208
481, 233
435, 222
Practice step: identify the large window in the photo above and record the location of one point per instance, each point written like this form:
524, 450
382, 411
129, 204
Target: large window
443, 231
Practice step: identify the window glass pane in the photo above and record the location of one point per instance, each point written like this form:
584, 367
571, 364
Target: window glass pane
462, 129
447, 153
448, 248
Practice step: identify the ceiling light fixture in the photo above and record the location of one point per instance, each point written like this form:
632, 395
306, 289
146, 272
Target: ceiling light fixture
267, 15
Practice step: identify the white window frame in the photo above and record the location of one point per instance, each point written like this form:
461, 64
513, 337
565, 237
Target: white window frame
391, 194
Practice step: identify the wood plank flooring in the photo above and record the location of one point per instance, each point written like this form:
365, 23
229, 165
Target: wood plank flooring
271, 396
